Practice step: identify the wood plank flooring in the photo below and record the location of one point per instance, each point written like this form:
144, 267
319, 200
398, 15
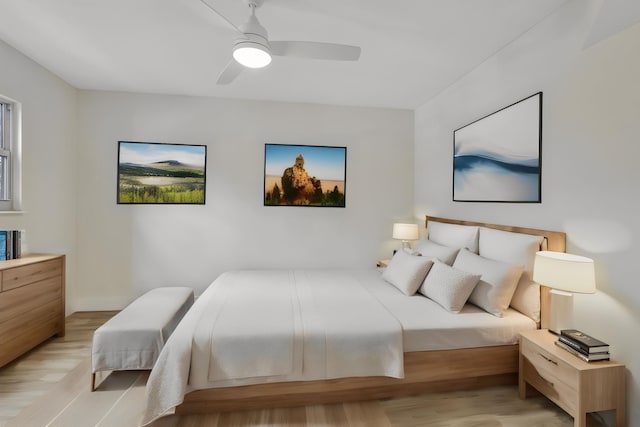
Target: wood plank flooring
50, 387
32, 375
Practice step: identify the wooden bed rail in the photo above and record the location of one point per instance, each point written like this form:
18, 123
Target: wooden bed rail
464, 369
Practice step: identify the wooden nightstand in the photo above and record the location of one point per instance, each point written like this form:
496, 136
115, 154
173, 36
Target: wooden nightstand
577, 387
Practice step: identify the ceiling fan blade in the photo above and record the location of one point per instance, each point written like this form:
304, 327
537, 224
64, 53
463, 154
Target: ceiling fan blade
227, 20
315, 50
231, 71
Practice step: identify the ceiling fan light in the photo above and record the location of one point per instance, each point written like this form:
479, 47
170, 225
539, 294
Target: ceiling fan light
251, 54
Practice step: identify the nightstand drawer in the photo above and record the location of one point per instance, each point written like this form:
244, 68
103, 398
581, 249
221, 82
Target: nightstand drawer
548, 384
550, 366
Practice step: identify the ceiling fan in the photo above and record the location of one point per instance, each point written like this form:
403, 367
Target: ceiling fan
253, 49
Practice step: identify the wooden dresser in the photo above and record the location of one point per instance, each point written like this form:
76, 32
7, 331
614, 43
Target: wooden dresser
32, 297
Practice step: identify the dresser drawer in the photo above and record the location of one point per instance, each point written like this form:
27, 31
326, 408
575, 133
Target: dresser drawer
19, 276
25, 299
27, 330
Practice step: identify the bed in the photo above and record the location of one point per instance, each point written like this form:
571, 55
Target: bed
326, 352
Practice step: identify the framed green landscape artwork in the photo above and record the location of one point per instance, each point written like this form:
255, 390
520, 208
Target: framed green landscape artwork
159, 173
304, 175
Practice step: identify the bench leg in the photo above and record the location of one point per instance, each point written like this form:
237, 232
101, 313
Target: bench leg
93, 382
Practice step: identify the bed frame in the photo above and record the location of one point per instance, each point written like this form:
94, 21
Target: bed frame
425, 371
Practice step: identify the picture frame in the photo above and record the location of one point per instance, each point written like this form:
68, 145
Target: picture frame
161, 173
305, 175
497, 158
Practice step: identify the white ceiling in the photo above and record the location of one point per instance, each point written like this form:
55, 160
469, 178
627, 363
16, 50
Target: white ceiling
411, 49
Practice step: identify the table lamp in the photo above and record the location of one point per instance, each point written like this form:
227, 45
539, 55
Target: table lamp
564, 274
405, 232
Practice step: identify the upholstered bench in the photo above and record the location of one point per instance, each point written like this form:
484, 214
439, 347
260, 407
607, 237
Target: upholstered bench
133, 338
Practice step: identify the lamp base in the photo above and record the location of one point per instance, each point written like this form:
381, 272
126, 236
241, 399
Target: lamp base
561, 311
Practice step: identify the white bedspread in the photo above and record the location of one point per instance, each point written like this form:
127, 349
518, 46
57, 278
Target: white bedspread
253, 327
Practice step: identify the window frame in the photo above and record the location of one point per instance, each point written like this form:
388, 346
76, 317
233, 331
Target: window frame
10, 148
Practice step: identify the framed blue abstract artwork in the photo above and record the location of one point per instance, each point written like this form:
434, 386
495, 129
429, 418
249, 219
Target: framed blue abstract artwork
498, 158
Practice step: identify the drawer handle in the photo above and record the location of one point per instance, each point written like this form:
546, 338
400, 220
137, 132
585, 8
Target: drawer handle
548, 359
546, 380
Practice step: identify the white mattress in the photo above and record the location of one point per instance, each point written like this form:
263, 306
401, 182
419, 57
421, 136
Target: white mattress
427, 326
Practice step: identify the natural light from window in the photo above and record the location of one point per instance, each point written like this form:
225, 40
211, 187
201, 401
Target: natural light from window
9, 155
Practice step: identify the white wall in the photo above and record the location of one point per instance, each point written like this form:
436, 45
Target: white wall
590, 150
48, 156
124, 250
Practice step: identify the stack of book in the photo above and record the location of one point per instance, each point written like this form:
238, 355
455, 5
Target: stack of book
582, 345
10, 244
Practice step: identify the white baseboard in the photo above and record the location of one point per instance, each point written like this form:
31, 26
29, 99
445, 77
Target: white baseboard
97, 304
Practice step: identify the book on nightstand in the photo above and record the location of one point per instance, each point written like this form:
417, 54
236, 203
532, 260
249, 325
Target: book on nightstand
583, 342
582, 345
592, 357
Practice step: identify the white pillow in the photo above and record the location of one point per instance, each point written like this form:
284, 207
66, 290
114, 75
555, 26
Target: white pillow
448, 286
526, 298
454, 235
429, 249
406, 272
516, 248
497, 283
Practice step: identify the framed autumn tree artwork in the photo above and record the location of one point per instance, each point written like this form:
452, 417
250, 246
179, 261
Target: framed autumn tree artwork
304, 175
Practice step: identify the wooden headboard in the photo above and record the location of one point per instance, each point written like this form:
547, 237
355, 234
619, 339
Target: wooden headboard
556, 241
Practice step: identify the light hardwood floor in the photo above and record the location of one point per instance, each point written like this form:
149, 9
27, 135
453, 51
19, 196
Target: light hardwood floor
50, 387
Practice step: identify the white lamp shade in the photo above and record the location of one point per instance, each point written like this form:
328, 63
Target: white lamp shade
566, 272
405, 231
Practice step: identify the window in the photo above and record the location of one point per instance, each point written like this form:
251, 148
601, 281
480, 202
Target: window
9, 155
5, 151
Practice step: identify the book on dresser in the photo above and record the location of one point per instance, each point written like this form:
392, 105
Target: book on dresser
11, 244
